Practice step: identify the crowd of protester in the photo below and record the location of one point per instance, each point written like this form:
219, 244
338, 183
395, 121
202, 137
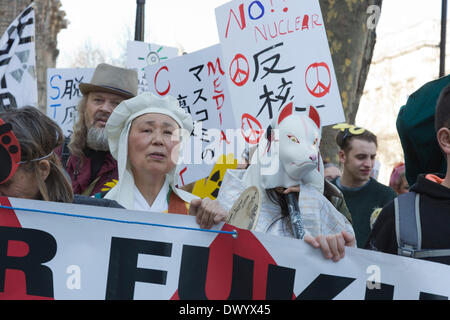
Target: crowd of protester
124, 147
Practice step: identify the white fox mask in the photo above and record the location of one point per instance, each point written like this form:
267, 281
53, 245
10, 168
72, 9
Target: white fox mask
289, 154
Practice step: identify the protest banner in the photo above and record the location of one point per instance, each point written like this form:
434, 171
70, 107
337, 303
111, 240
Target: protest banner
276, 52
18, 82
63, 95
64, 251
141, 54
197, 80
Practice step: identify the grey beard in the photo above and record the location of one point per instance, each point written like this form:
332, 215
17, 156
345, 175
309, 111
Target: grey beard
97, 139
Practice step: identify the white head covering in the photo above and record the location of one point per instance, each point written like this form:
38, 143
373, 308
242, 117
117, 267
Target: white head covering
118, 127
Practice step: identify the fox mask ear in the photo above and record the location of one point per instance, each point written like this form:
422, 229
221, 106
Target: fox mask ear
286, 112
314, 115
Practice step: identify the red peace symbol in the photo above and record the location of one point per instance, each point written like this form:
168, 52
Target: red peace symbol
251, 135
320, 89
239, 70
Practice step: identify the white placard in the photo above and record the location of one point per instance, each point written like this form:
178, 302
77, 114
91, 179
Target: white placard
141, 54
198, 81
276, 52
63, 95
18, 82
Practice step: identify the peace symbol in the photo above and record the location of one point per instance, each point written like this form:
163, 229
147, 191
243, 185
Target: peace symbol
239, 70
251, 135
320, 88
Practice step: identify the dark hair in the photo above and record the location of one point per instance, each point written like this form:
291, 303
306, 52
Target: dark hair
277, 198
345, 137
442, 114
38, 136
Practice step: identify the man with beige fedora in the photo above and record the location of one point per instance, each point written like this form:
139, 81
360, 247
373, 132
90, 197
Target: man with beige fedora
87, 158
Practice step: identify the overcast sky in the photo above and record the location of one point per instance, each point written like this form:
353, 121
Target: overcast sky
189, 24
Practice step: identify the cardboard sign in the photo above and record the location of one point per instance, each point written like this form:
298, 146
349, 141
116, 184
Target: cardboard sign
276, 52
63, 95
198, 81
63, 251
141, 54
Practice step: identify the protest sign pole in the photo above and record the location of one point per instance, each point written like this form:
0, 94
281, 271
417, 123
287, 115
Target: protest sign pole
140, 14
443, 38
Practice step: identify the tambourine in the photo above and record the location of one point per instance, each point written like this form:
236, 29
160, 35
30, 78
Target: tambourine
245, 210
9, 152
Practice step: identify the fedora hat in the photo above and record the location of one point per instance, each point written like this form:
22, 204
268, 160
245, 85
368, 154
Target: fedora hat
111, 79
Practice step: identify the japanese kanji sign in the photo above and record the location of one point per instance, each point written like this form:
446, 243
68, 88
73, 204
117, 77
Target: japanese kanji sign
276, 52
63, 95
18, 84
198, 81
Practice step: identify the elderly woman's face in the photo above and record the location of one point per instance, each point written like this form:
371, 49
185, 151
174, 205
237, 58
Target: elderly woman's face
22, 184
153, 143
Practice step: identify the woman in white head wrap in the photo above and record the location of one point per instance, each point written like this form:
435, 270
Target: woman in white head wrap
145, 136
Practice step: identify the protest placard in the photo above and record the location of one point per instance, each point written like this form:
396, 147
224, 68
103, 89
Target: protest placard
276, 52
63, 251
198, 81
18, 81
63, 95
141, 54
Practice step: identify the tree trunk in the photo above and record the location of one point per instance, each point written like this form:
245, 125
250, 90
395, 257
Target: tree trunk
49, 21
351, 45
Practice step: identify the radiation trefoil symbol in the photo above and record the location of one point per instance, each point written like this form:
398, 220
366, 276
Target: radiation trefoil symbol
24, 57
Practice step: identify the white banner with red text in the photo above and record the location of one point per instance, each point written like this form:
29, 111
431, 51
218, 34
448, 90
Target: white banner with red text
64, 251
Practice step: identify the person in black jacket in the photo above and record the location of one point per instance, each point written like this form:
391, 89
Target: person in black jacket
434, 204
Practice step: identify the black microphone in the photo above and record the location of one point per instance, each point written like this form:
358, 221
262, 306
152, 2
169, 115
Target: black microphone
294, 213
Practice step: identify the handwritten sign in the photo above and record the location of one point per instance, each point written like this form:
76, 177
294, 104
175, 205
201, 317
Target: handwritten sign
63, 95
198, 81
276, 52
141, 54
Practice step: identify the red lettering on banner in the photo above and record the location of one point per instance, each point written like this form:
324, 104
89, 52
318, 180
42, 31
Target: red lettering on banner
161, 93
219, 274
279, 28
283, 27
15, 285
181, 174
223, 137
305, 23
264, 35
315, 20
241, 24
213, 67
273, 36
7, 217
217, 98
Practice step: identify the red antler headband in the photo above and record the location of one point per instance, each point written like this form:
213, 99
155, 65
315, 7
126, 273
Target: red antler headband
9, 152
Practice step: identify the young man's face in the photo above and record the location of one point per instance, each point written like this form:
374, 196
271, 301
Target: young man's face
359, 161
